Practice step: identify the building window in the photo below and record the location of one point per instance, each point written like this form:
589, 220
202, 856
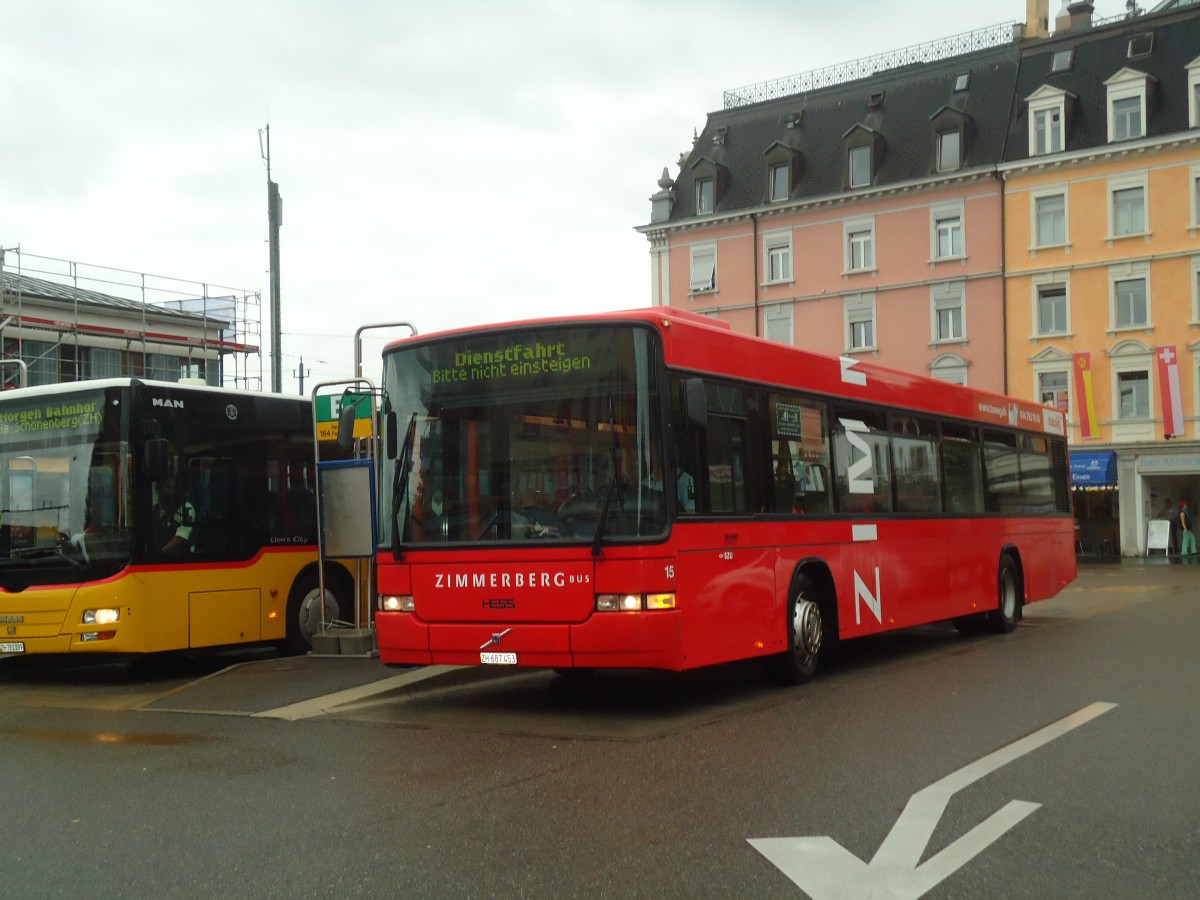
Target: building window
950, 368
962, 82
949, 151
777, 253
947, 233
859, 241
780, 188
1193, 70
949, 313
704, 196
41, 358
1133, 394
860, 322
1195, 192
1127, 207
1049, 220
1127, 118
779, 323
1131, 302
163, 368
1127, 105
1195, 290
704, 268
860, 166
1140, 45
1061, 61
1051, 300
1053, 389
103, 363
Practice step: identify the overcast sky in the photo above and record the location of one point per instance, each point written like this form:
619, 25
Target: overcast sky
447, 164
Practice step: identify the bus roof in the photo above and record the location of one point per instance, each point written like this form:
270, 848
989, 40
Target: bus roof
702, 345
66, 388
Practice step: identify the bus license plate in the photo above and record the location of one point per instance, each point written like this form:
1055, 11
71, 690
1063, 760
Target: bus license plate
19, 647
498, 659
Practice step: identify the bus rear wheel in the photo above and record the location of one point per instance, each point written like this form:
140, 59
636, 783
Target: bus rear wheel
805, 635
307, 609
1004, 617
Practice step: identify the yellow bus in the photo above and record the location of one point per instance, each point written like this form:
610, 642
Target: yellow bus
140, 516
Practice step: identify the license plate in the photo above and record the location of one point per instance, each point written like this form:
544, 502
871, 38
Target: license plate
498, 659
19, 647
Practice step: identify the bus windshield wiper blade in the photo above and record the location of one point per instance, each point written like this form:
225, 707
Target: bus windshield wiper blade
400, 481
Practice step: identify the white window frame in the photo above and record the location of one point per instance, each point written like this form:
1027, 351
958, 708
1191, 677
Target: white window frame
852, 230
703, 275
949, 165
779, 323
1193, 92
1034, 229
1059, 372
773, 171
946, 213
858, 308
1125, 182
950, 368
1128, 272
851, 153
1044, 280
777, 245
1196, 295
1047, 100
951, 297
704, 209
1127, 84
1194, 196
1127, 368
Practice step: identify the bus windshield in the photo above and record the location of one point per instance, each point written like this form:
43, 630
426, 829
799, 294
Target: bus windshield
550, 434
64, 488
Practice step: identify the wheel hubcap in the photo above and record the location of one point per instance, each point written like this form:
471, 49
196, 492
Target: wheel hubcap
807, 626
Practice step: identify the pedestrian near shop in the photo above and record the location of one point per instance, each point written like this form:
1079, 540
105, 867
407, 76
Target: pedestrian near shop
1187, 538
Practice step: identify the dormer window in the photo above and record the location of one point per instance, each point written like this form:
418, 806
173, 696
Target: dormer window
705, 194
1127, 97
860, 166
951, 130
949, 151
1061, 61
779, 188
1047, 110
1193, 76
709, 180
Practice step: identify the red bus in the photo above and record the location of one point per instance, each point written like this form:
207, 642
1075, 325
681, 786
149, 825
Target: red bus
650, 489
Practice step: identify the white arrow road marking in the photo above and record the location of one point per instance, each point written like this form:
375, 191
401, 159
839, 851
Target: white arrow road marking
826, 870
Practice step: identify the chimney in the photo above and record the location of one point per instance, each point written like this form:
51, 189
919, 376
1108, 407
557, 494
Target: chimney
1037, 19
1074, 17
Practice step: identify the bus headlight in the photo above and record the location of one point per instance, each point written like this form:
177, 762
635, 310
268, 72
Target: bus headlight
633, 602
393, 603
106, 616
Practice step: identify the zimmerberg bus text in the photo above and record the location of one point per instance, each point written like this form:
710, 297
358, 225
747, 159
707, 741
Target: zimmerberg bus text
445, 580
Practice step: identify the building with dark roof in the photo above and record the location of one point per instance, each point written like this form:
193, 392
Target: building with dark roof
1012, 208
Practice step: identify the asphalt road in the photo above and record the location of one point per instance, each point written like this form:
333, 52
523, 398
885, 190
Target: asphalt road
1059, 761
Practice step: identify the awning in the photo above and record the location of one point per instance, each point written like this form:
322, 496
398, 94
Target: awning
1094, 469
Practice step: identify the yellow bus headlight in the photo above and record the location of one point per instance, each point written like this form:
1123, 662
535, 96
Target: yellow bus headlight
105, 616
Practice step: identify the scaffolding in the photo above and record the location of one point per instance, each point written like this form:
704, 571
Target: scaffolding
224, 320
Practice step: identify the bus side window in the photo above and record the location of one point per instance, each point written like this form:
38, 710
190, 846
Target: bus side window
800, 455
962, 470
862, 460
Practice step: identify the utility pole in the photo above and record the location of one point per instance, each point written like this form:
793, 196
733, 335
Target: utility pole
274, 220
300, 373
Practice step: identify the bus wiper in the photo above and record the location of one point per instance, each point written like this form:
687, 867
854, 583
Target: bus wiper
400, 481
612, 485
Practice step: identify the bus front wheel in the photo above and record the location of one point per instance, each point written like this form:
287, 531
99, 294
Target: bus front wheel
306, 611
1004, 617
805, 635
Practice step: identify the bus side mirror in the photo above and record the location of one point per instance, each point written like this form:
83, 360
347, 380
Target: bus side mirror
695, 403
154, 458
345, 435
392, 423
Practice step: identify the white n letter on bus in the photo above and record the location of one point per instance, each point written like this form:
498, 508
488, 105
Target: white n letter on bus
863, 593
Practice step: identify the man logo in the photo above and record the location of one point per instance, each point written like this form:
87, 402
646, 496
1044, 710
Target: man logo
166, 403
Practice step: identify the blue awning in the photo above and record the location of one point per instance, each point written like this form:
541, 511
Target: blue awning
1094, 469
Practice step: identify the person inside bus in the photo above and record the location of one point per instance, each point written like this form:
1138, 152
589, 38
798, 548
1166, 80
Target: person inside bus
173, 519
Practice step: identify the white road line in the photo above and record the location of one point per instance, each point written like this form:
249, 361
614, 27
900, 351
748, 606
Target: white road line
319, 706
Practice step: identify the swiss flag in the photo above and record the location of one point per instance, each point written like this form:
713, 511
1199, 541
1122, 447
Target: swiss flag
1168, 387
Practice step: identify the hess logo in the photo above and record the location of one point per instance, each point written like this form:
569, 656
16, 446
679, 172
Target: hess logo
499, 603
